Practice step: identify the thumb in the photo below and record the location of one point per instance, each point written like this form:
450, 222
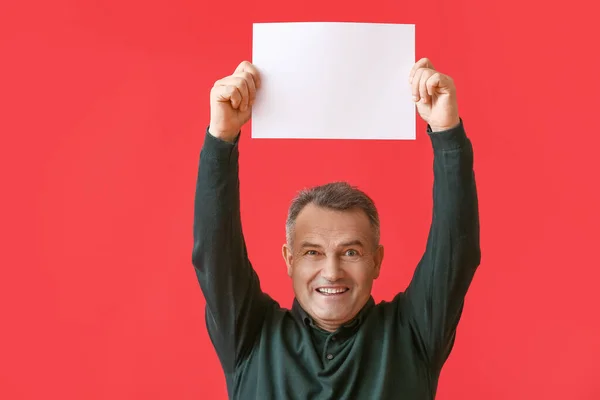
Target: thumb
439, 83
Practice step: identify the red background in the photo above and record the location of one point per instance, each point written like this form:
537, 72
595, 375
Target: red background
103, 110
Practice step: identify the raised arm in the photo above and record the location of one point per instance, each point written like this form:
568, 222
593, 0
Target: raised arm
235, 303
435, 297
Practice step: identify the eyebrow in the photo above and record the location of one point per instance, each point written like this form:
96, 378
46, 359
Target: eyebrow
355, 242
308, 244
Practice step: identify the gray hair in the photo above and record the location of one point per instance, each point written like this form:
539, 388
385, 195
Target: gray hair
339, 196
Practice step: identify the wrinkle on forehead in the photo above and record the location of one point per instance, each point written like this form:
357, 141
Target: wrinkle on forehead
331, 228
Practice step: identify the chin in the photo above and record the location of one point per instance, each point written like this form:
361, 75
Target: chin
336, 315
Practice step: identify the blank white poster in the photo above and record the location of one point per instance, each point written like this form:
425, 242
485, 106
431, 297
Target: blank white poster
334, 80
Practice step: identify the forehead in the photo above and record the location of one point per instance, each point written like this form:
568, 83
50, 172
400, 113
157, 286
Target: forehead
332, 225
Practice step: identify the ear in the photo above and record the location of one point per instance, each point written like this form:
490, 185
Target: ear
288, 257
378, 260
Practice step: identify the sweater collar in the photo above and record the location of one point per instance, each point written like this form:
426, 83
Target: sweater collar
355, 322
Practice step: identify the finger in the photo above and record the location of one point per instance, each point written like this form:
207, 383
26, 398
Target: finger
235, 96
422, 63
415, 85
423, 91
228, 93
241, 85
439, 83
246, 66
251, 85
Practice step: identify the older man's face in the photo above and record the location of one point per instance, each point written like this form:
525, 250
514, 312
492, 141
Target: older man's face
332, 262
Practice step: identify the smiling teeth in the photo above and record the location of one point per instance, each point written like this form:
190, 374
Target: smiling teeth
332, 291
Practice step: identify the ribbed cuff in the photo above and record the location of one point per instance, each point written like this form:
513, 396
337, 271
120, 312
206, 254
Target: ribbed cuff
219, 149
449, 139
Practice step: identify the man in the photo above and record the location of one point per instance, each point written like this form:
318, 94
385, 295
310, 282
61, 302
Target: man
335, 342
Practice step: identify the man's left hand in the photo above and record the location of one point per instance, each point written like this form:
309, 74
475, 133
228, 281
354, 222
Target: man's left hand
435, 96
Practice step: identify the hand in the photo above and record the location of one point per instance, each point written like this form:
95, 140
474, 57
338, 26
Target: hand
435, 96
231, 100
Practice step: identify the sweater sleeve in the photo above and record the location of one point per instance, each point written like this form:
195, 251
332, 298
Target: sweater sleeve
235, 304
435, 296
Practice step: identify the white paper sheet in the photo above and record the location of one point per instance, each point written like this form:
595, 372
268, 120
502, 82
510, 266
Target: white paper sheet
334, 80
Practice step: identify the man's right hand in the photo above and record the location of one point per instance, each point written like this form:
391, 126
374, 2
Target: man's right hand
231, 100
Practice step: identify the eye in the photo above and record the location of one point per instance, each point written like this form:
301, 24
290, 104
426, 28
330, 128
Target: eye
351, 253
311, 253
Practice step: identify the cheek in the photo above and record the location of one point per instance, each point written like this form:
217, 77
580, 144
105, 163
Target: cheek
303, 273
362, 275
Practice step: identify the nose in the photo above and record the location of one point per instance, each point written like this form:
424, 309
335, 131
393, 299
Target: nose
332, 269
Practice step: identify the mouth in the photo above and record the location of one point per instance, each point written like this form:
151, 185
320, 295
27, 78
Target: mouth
332, 291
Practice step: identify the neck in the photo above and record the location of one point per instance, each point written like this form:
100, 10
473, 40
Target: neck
328, 327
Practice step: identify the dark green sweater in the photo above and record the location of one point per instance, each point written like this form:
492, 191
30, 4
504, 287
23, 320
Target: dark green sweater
392, 350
